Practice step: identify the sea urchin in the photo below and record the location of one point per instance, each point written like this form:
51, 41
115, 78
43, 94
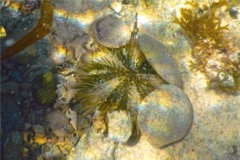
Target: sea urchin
112, 79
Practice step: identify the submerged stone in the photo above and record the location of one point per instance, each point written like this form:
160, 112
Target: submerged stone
110, 31
58, 122
165, 115
159, 58
119, 126
25, 56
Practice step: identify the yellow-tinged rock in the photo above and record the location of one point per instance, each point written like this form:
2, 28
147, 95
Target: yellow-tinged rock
25, 153
27, 137
3, 32
40, 140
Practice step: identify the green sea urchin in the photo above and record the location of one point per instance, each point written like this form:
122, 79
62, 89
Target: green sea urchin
112, 79
120, 78
109, 75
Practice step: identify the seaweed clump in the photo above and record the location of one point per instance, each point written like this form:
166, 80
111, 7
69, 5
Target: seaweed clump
202, 24
212, 52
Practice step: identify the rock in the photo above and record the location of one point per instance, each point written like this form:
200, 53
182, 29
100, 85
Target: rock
26, 55
72, 115
65, 91
93, 146
13, 146
111, 31
232, 154
59, 56
119, 126
165, 116
116, 5
226, 80
159, 58
83, 122
27, 125
10, 87
39, 130
25, 86
26, 104
11, 117
69, 129
25, 89
51, 151
58, 121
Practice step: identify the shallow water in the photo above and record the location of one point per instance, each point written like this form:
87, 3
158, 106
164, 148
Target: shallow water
42, 64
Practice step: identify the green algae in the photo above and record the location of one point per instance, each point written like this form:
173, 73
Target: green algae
44, 88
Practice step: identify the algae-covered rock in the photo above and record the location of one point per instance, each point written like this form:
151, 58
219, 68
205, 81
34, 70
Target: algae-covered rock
44, 88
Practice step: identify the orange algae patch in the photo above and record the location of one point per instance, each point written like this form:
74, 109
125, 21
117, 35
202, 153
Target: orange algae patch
42, 28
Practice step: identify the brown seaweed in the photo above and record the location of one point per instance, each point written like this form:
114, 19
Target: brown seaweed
42, 28
205, 26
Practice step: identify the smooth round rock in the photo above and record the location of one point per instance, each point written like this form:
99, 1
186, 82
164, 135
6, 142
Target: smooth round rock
165, 115
110, 31
159, 58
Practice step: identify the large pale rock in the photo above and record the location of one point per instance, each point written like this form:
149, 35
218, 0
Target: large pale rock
165, 115
110, 31
160, 59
